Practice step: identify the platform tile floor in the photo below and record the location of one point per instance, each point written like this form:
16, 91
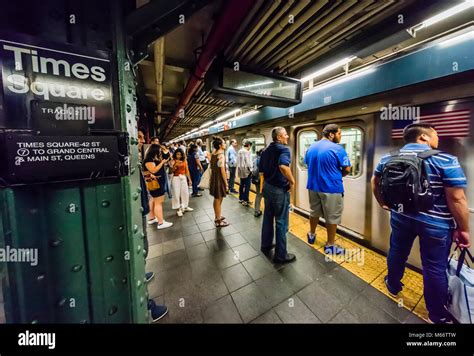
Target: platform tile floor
209, 275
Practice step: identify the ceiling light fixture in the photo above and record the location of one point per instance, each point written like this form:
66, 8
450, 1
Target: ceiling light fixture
342, 79
457, 39
445, 14
206, 124
329, 68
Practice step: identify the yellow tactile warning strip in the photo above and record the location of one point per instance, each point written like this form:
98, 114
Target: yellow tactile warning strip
372, 270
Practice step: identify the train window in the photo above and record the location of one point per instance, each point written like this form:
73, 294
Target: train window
258, 143
305, 139
352, 142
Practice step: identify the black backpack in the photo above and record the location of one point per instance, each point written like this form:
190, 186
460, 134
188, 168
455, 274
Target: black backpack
405, 185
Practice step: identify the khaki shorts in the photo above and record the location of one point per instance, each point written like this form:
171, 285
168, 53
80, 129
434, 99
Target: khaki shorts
327, 205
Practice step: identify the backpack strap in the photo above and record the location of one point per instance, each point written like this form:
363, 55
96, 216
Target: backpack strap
428, 153
395, 153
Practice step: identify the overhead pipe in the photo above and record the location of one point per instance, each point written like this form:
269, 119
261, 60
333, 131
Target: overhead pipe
220, 36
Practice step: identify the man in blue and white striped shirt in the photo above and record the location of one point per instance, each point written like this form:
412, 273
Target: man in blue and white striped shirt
445, 221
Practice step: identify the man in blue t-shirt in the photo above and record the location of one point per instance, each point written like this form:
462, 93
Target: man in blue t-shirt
327, 163
277, 182
447, 219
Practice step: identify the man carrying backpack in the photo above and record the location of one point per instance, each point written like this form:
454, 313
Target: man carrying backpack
424, 189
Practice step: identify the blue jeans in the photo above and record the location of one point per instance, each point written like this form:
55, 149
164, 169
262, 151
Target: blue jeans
244, 188
277, 207
232, 177
196, 178
435, 244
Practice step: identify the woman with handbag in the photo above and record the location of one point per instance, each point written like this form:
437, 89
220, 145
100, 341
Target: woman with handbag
155, 177
218, 185
179, 182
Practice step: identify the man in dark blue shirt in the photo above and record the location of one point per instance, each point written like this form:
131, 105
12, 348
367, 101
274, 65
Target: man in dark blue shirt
445, 221
277, 183
327, 163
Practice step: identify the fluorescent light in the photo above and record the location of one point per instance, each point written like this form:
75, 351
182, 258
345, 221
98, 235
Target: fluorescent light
229, 114
248, 113
329, 68
457, 39
206, 124
339, 80
256, 84
445, 14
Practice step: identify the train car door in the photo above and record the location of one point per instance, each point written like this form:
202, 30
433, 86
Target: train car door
304, 139
355, 184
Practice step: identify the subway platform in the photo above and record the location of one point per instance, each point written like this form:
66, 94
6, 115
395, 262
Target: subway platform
209, 275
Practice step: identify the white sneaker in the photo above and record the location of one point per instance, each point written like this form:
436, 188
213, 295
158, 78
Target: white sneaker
188, 209
152, 221
179, 212
165, 225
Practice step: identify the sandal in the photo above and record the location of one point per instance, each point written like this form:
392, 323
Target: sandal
221, 222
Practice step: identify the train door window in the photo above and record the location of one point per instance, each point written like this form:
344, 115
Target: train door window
351, 140
258, 142
305, 139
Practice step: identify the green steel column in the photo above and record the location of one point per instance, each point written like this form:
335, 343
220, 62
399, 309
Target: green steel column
107, 249
131, 184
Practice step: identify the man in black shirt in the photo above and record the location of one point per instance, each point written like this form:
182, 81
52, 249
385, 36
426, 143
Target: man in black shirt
277, 182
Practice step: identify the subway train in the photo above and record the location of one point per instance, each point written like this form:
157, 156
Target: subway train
368, 133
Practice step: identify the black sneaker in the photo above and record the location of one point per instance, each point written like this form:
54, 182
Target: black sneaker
390, 290
233, 191
149, 276
157, 311
441, 321
197, 195
288, 259
257, 214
